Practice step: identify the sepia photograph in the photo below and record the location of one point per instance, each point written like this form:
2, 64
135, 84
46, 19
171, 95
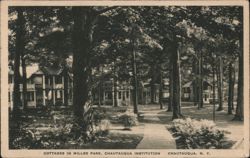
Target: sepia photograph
140, 79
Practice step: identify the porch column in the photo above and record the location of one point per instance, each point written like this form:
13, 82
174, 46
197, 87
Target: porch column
53, 90
113, 95
35, 97
49, 81
103, 97
44, 88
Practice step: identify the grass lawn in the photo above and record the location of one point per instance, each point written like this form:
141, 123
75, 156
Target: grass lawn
222, 120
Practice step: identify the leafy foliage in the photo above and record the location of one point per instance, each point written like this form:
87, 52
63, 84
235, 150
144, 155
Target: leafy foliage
60, 130
128, 120
194, 134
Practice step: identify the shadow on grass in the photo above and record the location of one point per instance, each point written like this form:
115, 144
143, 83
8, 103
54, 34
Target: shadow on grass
115, 141
148, 120
222, 119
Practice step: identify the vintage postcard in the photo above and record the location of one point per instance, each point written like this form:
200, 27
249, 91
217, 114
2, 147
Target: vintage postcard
123, 79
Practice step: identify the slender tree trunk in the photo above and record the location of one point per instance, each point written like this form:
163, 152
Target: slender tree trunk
170, 101
177, 83
115, 93
152, 84
24, 79
152, 92
99, 95
220, 87
66, 86
214, 92
81, 40
230, 88
179, 86
19, 50
135, 88
217, 81
115, 86
100, 91
233, 83
201, 81
239, 115
195, 83
160, 91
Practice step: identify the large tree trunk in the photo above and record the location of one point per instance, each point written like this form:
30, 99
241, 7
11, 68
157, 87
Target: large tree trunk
170, 101
81, 40
230, 88
239, 115
220, 84
23, 61
19, 50
177, 83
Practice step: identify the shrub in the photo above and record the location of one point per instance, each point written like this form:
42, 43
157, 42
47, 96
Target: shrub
61, 130
22, 139
194, 134
98, 116
128, 120
103, 127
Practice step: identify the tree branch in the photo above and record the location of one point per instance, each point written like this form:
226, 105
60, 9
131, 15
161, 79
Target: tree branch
105, 10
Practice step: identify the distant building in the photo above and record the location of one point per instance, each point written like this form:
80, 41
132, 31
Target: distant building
188, 92
31, 91
145, 92
104, 93
45, 86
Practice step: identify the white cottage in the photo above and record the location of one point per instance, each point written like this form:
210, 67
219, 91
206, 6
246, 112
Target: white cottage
45, 86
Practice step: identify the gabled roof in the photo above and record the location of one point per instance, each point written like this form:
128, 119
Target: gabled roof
35, 69
188, 84
30, 70
51, 71
38, 72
